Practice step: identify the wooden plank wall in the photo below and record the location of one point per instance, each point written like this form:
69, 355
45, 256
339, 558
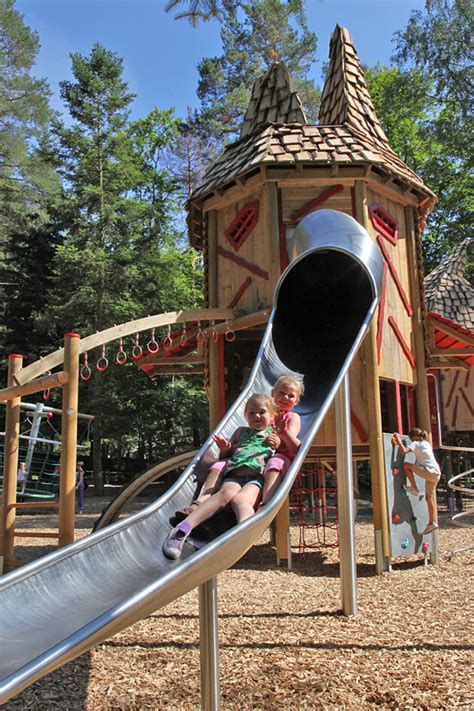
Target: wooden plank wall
394, 362
457, 388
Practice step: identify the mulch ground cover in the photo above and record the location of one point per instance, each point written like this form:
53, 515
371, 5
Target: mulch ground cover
283, 642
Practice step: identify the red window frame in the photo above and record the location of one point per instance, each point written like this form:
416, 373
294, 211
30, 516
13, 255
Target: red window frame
243, 224
385, 223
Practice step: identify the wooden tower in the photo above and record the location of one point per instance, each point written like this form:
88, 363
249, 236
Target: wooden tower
244, 213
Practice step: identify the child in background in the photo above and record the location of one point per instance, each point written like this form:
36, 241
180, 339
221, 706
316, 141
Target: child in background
246, 452
22, 477
426, 467
286, 394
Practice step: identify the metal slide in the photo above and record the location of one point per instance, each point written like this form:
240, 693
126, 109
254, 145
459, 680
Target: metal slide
58, 607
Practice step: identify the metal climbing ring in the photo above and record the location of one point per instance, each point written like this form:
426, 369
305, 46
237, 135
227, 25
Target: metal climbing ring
137, 349
102, 364
86, 372
214, 332
121, 357
200, 334
168, 341
153, 346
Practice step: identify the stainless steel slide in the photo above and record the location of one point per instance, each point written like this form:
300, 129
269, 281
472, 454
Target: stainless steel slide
58, 607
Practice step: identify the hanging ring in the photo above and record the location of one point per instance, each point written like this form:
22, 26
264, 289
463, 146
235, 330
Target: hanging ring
137, 349
200, 335
229, 334
184, 336
121, 357
86, 372
168, 341
214, 333
102, 364
47, 392
152, 345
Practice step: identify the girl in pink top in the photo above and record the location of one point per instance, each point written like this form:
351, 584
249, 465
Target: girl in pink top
286, 394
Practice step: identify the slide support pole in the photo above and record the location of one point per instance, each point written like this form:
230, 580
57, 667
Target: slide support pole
209, 646
345, 499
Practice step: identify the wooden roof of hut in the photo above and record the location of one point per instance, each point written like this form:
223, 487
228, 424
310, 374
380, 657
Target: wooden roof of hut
275, 131
450, 303
448, 293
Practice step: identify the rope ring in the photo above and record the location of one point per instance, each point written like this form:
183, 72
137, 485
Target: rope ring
152, 345
167, 343
200, 335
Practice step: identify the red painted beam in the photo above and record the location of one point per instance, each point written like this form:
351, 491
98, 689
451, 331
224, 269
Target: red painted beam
395, 276
243, 263
296, 215
381, 312
402, 341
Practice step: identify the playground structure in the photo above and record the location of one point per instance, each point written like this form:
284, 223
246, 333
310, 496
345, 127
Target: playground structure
139, 579
244, 217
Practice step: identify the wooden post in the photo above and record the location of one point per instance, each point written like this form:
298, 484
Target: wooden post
377, 463
67, 488
10, 464
213, 298
281, 522
421, 392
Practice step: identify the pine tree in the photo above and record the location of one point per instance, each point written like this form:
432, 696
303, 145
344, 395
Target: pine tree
250, 45
26, 175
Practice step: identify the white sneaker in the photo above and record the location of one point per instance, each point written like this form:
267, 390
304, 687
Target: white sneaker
431, 527
411, 490
173, 545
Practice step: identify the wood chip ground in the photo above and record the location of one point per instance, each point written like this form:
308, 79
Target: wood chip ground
283, 642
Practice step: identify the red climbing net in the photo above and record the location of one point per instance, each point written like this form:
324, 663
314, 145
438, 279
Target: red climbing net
314, 501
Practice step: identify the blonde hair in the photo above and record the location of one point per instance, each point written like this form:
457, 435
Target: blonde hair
295, 382
266, 399
416, 432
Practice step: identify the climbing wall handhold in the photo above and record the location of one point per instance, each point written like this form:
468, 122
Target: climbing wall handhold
405, 543
395, 518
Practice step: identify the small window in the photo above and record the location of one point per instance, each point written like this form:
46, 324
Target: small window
384, 222
242, 226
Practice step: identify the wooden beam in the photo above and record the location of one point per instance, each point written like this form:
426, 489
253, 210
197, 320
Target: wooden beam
34, 386
35, 534
450, 331
453, 352
161, 358
124, 329
160, 370
448, 363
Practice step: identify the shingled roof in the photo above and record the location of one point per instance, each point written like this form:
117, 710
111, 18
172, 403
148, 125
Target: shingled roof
274, 98
448, 293
275, 131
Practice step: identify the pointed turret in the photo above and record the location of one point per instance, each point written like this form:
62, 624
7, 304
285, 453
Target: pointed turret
274, 98
345, 98
448, 293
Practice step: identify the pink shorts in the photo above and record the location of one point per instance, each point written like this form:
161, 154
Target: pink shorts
278, 462
219, 466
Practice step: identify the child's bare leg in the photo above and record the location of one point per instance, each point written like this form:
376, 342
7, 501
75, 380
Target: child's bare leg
272, 482
243, 503
410, 475
210, 486
432, 508
212, 504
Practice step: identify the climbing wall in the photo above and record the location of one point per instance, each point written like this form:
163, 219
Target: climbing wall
408, 514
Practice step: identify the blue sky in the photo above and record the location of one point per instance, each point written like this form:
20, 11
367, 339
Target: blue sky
160, 54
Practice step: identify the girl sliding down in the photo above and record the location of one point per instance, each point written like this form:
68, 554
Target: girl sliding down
286, 394
247, 452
